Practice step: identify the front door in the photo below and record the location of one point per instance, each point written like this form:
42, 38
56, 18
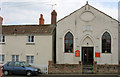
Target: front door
87, 55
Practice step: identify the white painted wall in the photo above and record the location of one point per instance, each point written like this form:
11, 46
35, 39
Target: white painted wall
87, 22
17, 45
0, 35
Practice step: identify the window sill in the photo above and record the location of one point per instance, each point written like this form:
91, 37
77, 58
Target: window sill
106, 53
68, 52
2, 42
30, 43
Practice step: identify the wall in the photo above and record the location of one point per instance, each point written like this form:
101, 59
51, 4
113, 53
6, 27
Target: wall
17, 45
107, 69
1, 19
64, 68
83, 23
79, 69
119, 41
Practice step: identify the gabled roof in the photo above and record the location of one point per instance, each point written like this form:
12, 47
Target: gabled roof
27, 29
90, 6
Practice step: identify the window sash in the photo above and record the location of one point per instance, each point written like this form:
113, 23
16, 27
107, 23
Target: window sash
2, 38
30, 59
30, 38
15, 57
68, 43
2, 58
106, 43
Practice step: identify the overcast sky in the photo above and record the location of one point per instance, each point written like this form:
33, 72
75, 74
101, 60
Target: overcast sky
28, 11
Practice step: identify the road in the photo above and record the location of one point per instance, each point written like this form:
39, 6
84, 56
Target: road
67, 75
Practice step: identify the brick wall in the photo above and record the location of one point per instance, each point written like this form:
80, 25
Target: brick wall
64, 68
107, 69
76, 68
119, 69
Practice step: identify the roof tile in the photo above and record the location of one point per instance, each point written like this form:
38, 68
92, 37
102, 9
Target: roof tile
27, 29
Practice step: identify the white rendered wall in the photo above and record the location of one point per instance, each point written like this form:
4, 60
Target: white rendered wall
81, 27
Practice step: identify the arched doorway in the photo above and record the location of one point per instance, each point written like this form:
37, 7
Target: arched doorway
87, 51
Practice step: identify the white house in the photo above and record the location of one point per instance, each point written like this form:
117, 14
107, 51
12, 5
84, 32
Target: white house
30, 43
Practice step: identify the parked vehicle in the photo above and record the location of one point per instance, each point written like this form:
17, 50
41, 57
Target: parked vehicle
1, 66
20, 67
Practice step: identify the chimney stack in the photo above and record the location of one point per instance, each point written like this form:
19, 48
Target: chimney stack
53, 17
41, 20
1, 20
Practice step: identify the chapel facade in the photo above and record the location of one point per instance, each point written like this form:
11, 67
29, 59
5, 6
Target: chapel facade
87, 38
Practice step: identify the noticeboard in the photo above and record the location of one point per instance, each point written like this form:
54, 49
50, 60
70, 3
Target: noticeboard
77, 53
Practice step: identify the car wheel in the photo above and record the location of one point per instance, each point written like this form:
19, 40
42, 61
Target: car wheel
6, 72
28, 73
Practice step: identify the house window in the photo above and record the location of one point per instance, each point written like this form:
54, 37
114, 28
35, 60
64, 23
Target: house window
2, 38
68, 39
15, 57
2, 58
30, 38
30, 59
106, 43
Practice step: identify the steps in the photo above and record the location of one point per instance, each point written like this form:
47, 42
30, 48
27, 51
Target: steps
87, 69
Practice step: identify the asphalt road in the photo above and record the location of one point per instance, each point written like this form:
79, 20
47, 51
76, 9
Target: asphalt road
85, 75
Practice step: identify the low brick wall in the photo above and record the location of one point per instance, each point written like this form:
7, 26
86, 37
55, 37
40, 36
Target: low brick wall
77, 68
107, 69
119, 69
64, 68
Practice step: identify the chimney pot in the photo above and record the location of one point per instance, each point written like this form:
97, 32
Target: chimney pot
41, 15
41, 20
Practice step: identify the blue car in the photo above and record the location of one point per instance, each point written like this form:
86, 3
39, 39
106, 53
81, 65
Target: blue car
17, 67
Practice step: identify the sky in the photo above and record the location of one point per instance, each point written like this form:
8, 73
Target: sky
18, 12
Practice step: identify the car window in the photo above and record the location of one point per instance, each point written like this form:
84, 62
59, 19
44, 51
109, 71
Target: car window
21, 64
10, 64
26, 64
17, 64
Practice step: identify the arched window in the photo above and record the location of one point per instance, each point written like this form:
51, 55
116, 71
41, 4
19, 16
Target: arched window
68, 43
106, 43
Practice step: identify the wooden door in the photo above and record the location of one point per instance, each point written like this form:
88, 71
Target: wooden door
87, 55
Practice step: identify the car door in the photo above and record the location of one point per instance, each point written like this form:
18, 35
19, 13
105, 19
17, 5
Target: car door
18, 69
10, 67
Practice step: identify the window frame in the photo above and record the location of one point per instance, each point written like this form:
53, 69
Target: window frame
106, 44
69, 40
31, 39
16, 58
2, 39
30, 60
2, 58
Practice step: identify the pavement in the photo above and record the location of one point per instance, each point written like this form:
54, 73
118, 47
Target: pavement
69, 75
